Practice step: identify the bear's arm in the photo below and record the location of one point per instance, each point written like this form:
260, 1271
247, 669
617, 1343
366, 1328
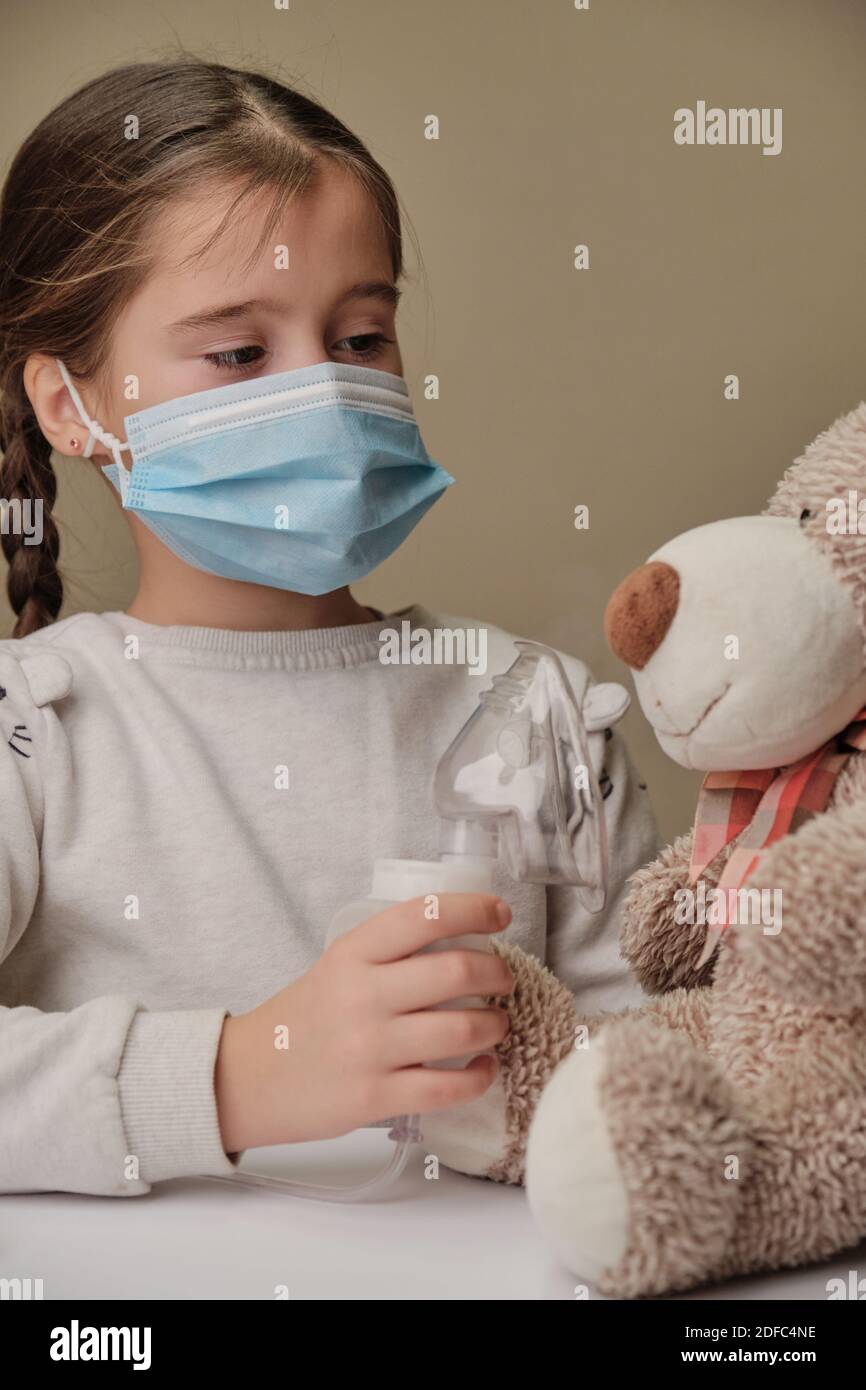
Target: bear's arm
818, 958
662, 952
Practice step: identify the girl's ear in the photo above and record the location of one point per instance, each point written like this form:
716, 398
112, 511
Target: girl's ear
55, 411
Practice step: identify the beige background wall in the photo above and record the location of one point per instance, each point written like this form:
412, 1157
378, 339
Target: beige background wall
559, 387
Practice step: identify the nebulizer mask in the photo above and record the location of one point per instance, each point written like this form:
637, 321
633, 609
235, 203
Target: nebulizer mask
516, 786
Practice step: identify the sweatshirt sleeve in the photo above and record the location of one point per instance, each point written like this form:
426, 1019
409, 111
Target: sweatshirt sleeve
583, 947
106, 1098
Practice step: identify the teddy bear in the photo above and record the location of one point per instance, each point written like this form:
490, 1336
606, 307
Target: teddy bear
720, 1128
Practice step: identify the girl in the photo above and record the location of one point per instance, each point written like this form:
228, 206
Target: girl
192, 787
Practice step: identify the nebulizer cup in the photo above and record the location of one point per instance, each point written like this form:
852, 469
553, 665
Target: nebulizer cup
516, 786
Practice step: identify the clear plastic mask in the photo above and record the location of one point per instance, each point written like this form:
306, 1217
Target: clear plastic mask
518, 781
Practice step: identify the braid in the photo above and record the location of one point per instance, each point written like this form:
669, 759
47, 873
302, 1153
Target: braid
33, 583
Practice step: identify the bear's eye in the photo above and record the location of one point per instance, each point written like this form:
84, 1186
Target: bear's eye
804, 515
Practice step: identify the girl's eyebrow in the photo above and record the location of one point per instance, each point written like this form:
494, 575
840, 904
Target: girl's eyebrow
211, 318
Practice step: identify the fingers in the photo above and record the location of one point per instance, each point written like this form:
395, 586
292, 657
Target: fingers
404, 928
418, 1090
437, 977
434, 1036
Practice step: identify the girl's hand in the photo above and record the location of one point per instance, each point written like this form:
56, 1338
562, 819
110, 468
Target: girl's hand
343, 1046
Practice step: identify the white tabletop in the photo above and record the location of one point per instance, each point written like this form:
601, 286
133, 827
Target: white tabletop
449, 1238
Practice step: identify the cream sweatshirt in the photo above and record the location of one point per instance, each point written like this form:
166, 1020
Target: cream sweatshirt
183, 811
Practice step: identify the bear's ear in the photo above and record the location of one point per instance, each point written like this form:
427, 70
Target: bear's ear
48, 675
603, 705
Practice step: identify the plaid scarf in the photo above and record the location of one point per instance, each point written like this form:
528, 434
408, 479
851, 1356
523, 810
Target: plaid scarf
762, 807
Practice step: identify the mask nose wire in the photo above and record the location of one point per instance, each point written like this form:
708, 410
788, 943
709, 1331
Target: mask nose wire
94, 429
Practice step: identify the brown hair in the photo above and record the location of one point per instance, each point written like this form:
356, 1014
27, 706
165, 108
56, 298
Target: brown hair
76, 206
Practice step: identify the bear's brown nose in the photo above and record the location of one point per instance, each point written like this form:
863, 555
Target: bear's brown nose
640, 611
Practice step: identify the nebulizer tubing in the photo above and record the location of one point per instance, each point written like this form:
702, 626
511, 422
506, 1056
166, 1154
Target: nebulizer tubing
510, 696
404, 1134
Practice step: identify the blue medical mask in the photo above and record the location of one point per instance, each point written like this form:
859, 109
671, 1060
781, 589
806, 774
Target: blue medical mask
303, 480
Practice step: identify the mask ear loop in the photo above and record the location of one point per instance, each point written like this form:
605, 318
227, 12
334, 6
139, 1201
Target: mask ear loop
95, 431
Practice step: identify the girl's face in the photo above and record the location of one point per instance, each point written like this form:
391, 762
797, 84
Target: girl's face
204, 321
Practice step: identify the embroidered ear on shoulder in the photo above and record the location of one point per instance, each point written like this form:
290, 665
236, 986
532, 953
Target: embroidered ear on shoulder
26, 684
48, 676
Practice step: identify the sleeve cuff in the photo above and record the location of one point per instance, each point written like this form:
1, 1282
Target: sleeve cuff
167, 1097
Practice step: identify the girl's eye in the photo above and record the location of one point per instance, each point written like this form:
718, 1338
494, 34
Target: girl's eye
235, 358
365, 345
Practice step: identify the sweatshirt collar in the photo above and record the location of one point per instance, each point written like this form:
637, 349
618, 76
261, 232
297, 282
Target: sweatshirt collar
304, 648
